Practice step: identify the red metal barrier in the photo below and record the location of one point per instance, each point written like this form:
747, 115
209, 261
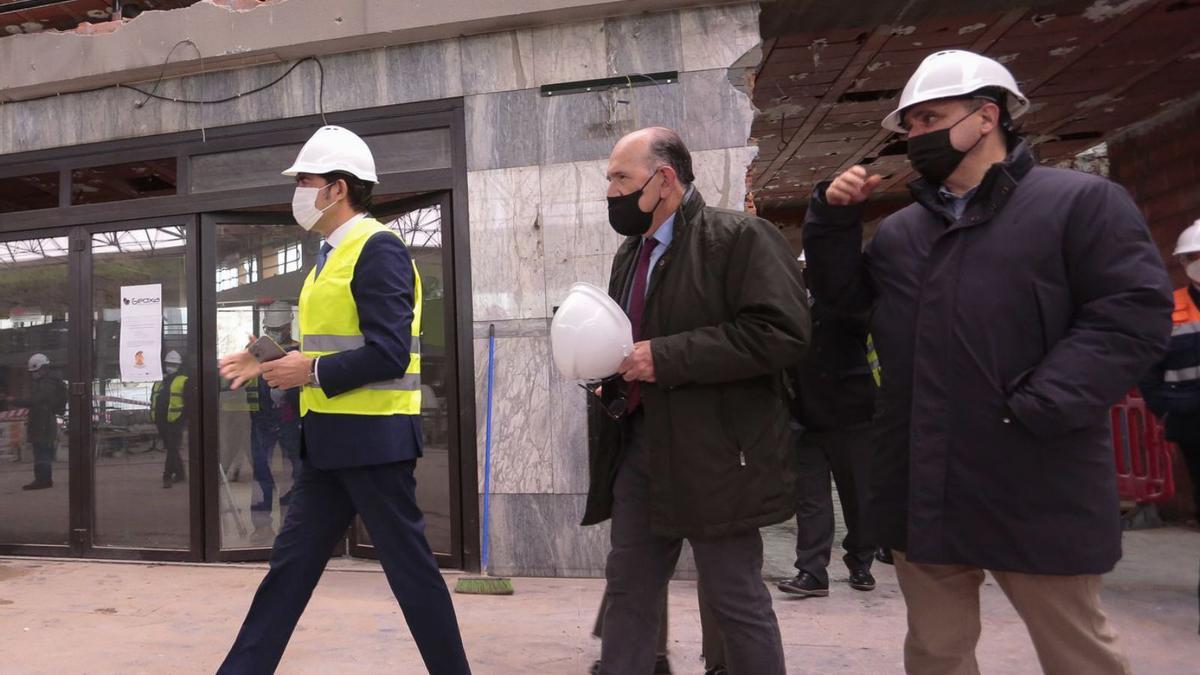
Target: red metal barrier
1142, 451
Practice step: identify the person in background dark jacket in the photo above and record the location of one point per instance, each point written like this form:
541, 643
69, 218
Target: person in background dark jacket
47, 400
1172, 387
1013, 304
834, 402
701, 452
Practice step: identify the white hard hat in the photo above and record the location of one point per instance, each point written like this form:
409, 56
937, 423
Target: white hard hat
277, 314
173, 357
37, 362
1189, 240
955, 73
590, 335
335, 149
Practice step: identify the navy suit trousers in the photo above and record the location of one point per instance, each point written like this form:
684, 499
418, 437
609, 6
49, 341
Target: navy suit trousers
322, 507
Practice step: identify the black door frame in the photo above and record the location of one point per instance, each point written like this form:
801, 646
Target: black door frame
78, 221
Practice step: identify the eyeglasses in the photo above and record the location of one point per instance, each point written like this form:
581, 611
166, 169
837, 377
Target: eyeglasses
615, 409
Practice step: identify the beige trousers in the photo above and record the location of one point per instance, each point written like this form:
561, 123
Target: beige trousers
1062, 613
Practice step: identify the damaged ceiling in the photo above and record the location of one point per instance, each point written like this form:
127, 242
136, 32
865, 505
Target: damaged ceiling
828, 78
35, 16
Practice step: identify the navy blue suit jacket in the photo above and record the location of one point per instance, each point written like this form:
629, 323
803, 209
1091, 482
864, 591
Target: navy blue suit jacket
383, 291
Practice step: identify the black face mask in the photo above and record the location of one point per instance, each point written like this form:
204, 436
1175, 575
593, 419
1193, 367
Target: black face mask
933, 155
626, 217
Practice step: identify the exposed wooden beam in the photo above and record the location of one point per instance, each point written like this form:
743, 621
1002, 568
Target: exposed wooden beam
862, 58
1125, 86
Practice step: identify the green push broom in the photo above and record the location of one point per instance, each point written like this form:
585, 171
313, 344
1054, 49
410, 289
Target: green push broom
487, 585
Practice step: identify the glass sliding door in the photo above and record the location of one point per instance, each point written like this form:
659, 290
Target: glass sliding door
35, 409
144, 390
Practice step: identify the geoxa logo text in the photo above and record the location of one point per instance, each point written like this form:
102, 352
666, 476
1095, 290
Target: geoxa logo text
141, 301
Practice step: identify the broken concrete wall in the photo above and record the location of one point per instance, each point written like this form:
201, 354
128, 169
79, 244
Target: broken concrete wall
537, 213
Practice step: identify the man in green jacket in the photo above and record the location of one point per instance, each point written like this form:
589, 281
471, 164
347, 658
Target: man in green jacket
700, 449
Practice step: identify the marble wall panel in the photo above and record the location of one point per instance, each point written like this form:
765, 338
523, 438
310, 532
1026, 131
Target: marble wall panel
569, 52
540, 535
568, 435
498, 62
503, 129
520, 414
644, 43
422, 72
507, 269
717, 115
721, 175
716, 37
585, 126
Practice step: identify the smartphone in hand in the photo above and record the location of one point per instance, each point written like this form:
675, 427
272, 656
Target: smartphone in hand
265, 349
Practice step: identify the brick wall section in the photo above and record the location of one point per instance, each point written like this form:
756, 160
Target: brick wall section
1159, 163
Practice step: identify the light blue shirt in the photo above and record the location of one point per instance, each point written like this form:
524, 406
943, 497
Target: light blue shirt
664, 235
957, 204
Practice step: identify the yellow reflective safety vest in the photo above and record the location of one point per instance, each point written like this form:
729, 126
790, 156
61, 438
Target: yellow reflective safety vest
873, 361
175, 405
329, 324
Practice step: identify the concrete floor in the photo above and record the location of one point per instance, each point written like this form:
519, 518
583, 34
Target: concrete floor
93, 617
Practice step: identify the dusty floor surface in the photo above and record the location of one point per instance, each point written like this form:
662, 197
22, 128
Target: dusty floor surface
93, 617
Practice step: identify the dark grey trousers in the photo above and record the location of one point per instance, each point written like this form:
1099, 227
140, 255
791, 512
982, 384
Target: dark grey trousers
641, 563
846, 453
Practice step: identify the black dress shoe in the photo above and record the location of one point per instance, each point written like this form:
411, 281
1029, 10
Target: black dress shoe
884, 555
861, 580
38, 485
805, 585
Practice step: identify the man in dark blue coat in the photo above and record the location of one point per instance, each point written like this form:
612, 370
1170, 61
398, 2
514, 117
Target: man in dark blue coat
1013, 304
359, 368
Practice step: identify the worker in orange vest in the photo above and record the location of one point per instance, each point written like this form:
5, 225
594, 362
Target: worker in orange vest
1172, 388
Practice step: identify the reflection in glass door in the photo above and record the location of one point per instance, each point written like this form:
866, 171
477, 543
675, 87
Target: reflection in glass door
419, 221
261, 262
35, 408
143, 389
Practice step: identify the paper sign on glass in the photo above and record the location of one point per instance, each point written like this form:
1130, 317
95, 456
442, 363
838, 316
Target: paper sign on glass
141, 333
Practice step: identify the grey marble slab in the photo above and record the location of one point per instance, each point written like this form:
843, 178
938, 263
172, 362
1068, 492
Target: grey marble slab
540, 535
643, 43
498, 62
585, 126
520, 414
575, 211
424, 71
507, 271
569, 52
512, 328
721, 175
716, 37
717, 115
568, 435
503, 129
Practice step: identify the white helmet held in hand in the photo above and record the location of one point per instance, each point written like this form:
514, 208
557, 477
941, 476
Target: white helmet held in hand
37, 362
955, 73
590, 335
335, 149
1189, 240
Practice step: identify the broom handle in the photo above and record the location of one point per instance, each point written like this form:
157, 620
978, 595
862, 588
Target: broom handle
487, 447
